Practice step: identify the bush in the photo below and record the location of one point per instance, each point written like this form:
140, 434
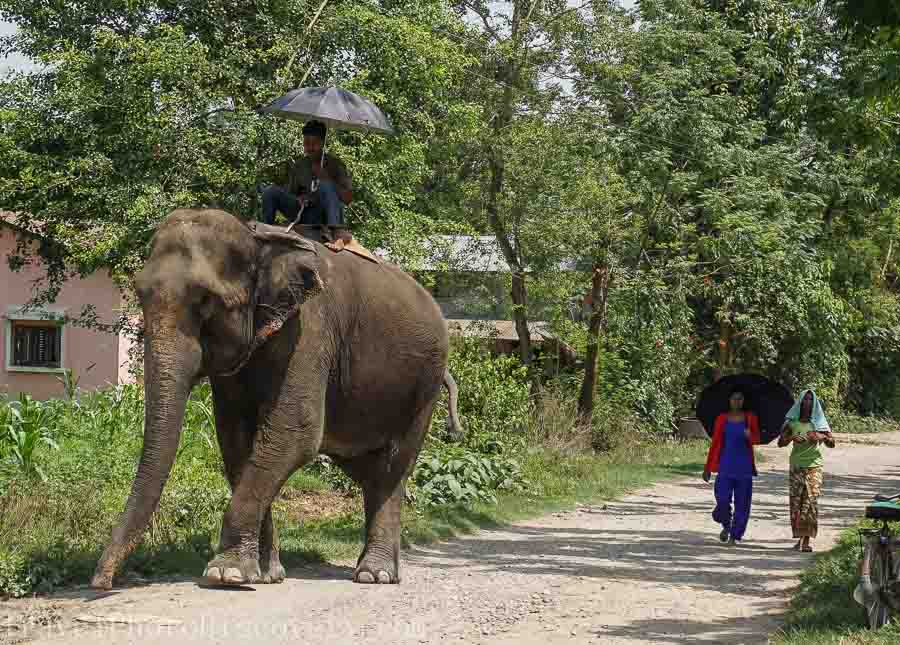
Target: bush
326, 470
554, 423
614, 427
494, 400
14, 579
843, 421
495, 410
454, 475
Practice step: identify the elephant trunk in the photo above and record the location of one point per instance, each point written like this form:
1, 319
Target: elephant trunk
171, 362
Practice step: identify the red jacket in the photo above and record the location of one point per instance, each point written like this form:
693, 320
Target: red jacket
715, 449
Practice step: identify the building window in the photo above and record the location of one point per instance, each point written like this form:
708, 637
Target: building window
36, 344
34, 341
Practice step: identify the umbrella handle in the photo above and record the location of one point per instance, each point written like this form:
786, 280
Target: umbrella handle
315, 182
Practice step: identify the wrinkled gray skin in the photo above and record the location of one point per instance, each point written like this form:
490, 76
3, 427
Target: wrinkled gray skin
354, 375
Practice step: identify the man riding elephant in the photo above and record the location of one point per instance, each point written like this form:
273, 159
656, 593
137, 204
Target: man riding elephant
319, 183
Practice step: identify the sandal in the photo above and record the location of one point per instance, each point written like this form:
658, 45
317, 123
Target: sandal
796, 547
807, 549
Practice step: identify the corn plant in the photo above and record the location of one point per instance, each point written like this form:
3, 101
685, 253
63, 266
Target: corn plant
27, 427
107, 413
70, 381
198, 436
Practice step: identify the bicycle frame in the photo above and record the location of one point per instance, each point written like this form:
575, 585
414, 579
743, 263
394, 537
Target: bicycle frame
873, 541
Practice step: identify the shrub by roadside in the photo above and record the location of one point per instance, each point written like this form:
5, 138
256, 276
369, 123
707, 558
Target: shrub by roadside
823, 612
855, 424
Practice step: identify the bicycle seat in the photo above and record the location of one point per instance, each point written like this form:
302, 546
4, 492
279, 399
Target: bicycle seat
884, 510
882, 498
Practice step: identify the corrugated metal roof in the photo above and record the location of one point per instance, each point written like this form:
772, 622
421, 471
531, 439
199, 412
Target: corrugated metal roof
479, 253
466, 253
500, 329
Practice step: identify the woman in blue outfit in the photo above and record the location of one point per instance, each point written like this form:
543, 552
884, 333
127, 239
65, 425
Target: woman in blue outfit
731, 456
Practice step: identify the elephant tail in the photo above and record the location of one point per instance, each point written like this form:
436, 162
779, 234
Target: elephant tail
455, 431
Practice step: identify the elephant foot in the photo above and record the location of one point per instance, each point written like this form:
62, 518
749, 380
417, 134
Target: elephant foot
228, 569
274, 573
373, 570
101, 582
106, 567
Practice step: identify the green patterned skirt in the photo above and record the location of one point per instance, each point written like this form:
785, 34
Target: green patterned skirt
806, 485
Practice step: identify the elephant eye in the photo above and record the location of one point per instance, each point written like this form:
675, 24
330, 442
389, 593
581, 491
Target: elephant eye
207, 306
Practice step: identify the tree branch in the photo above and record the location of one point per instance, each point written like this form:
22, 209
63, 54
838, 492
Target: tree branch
485, 15
566, 12
315, 18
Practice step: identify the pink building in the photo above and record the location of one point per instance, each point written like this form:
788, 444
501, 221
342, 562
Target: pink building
36, 348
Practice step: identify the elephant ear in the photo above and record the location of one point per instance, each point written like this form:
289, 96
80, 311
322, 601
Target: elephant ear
287, 276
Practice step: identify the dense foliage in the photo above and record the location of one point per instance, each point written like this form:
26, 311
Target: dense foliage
731, 167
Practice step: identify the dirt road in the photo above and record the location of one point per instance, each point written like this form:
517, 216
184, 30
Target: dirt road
645, 569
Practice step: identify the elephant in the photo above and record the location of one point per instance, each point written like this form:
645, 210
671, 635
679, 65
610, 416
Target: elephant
308, 351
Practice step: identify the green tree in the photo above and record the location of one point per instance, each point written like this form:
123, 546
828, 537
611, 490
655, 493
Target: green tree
518, 44
142, 107
713, 109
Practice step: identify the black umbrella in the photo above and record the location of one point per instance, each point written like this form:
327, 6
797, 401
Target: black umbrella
337, 108
767, 399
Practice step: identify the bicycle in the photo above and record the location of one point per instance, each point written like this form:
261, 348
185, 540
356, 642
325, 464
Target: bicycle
878, 589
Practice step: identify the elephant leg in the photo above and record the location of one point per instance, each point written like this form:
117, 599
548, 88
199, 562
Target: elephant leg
235, 427
382, 475
288, 436
269, 554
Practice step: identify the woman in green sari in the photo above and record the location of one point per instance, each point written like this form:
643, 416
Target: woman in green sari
806, 428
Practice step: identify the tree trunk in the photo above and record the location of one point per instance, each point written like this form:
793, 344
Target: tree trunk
600, 281
519, 291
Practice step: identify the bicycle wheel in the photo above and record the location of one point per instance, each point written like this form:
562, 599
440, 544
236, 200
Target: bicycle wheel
878, 611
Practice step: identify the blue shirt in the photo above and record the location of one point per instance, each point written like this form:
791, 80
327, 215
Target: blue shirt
735, 460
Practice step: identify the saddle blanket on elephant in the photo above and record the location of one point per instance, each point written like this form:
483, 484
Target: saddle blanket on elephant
336, 240
348, 243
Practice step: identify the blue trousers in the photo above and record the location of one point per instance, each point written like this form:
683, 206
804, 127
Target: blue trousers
740, 489
324, 208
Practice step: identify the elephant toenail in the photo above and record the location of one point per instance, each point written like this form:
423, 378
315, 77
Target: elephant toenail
365, 577
213, 575
384, 578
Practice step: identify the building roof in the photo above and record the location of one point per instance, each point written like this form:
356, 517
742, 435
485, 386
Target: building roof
500, 329
14, 220
479, 253
466, 253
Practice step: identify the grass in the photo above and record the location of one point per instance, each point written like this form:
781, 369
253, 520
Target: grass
557, 481
519, 459
51, 532
848, 423
823, 612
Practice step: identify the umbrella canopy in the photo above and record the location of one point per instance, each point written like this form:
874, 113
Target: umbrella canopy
336, 108
768, 399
